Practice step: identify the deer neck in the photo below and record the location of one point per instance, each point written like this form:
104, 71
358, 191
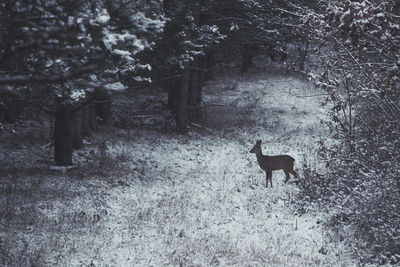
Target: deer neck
260, 157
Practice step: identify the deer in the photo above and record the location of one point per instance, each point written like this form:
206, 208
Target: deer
273, 163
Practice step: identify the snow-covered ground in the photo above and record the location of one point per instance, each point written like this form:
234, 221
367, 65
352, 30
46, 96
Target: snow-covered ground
195, 200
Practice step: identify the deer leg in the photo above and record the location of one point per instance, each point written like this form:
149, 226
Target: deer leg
294, 173
269, 176
266, 179
287, 175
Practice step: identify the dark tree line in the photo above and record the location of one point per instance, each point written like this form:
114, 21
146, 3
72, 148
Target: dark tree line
64, 54
197, 33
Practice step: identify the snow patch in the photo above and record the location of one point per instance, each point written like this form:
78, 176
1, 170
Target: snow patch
117, 86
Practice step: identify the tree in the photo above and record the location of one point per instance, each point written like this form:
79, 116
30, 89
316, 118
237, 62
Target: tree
183, 47
265, 26
74, 44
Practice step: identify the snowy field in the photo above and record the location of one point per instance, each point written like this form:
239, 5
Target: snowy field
162, 199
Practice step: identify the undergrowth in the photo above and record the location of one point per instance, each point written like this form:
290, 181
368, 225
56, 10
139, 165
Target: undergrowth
362, 196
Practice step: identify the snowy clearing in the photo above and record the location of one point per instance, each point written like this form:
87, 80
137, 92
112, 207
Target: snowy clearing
199, 200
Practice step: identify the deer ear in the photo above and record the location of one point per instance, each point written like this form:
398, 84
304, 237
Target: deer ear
258, 142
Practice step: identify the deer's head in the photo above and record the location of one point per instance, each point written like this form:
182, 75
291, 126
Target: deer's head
256, 148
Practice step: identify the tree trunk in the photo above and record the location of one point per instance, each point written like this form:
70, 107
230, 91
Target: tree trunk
270, 49
171, 85
181, 104
11, 109
63, 135
85, 120
247, 57
192, 93
210, 64
77, 130
88, 120
284, 53
303, 56
92, 117
196, 83
103, 105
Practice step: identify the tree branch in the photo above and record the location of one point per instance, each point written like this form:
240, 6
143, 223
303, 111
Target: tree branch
7, 91
55, 78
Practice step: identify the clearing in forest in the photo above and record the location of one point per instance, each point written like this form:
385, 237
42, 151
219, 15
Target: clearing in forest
162, 199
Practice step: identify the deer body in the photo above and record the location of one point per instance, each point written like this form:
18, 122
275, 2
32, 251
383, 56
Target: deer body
273, 163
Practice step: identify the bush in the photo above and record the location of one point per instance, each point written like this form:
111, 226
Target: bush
362, 194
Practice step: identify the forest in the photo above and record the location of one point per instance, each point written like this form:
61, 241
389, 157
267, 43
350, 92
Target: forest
199, 133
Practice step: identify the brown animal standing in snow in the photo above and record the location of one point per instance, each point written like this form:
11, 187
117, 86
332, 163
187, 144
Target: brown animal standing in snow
273, 163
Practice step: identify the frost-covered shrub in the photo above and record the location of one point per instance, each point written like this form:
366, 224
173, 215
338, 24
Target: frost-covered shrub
361, 192
358, 67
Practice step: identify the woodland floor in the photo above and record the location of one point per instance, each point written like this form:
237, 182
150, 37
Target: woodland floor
151, 197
